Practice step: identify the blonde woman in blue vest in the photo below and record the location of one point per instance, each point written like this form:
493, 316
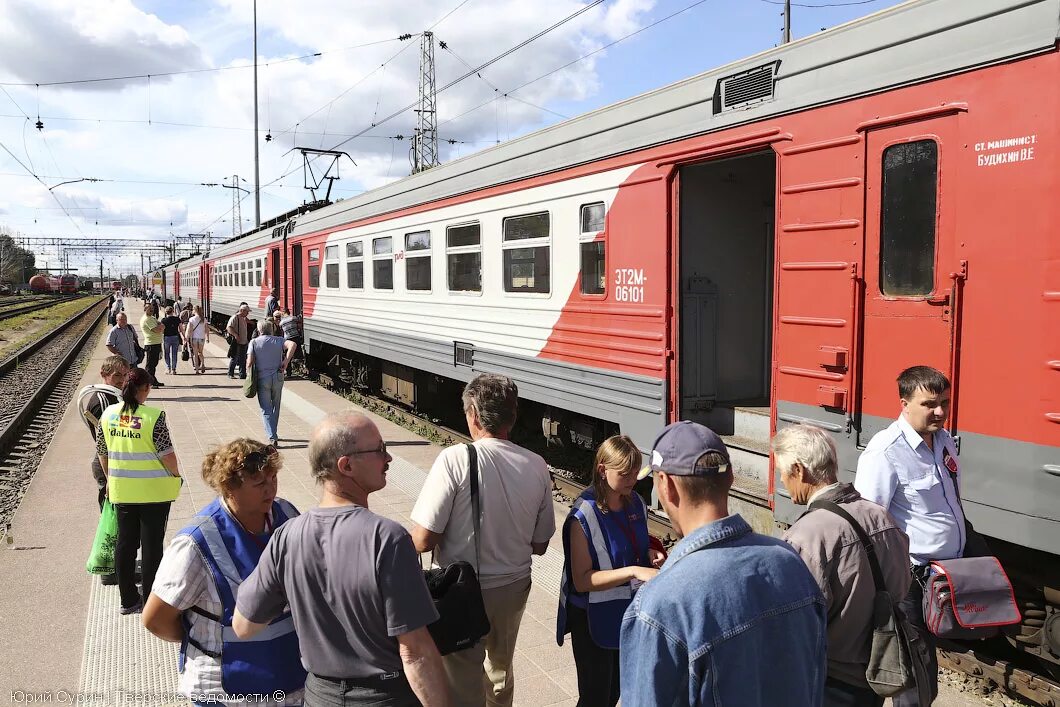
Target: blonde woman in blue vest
143, 480
606, 558
194, 597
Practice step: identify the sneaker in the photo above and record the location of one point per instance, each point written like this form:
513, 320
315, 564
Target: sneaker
136, 608
159, 384
108, 580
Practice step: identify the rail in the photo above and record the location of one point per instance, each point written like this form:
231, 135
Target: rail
35, 306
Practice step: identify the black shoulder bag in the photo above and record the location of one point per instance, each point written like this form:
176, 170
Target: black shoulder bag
455, 589
899, 656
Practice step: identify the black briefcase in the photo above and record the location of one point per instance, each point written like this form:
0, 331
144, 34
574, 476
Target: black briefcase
456, 591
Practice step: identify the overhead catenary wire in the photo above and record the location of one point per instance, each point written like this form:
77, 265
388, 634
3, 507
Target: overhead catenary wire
182, 72
583, 57
463, 77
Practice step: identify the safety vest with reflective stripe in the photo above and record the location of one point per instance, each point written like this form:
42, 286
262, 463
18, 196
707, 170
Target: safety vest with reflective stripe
610, 547
136, 474
271, 660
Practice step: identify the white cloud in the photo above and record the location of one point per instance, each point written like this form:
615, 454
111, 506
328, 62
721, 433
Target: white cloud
112, 139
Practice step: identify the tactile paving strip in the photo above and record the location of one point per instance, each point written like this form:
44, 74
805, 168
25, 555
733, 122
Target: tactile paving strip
547, 569
122, 663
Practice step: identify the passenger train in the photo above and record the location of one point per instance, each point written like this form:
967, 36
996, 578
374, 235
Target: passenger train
767, 243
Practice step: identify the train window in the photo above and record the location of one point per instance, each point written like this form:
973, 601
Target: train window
331, 266
907, 218
526, 267
314, 276
383, 264
594, 273
314, 254
593, 218
418, 261
355, 275
464, 257
593, 249
355, 249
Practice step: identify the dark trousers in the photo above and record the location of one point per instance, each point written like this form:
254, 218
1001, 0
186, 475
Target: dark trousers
841, 694
913, 608
101, 482
153, 353
238, 359
328, 692
143, 526
597, 668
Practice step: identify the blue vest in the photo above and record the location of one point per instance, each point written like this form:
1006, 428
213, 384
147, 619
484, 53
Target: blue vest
269, 661
610, 547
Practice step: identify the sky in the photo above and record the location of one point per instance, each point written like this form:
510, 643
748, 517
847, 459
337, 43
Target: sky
146, 159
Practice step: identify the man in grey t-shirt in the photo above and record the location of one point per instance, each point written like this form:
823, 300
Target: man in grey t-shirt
353, 582
122, 340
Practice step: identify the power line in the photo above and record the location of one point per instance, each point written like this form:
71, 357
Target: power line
456, 81
160, 74
575, 61
827, 4
446, 15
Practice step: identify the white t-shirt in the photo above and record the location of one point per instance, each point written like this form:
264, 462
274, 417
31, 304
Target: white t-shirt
197, 327
515, 501
182, 582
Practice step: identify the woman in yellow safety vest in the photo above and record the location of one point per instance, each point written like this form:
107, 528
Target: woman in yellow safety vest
143, 479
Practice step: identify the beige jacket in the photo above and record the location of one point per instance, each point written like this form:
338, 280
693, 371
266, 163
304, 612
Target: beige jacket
832, 551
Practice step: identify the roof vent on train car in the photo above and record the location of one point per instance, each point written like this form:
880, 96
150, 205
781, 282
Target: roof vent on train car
746, 88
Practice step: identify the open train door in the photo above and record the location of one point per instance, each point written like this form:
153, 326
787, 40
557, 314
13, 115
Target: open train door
296, 275
274, 270
205, 287
913, 276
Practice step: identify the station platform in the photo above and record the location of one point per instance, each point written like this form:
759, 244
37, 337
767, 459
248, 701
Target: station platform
63, 640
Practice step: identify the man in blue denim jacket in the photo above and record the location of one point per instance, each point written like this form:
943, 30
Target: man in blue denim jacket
733, 617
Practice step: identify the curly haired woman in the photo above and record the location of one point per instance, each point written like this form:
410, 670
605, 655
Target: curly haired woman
194, 593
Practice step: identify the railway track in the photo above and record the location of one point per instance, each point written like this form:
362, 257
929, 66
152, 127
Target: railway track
35, 385
1009, 677
32, 307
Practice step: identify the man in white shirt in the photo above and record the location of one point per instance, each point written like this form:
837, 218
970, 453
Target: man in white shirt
517, 520
911, 469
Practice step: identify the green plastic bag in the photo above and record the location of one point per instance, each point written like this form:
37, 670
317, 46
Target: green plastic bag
250, 385
101, 559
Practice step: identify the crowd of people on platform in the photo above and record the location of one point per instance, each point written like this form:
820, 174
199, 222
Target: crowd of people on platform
330, 607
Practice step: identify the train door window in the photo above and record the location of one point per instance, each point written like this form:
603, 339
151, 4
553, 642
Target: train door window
331, 266
257, 272
314, 254
355, 265
418, 261
463, 254
908, 216
383, 263
591, 243
526, 247
243, 274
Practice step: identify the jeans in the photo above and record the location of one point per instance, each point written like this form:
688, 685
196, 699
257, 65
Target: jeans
840, 694
321, 692
143, 526
239, 358
171, 346
270, 390
597, 668
913, 608
152, 352
483, 674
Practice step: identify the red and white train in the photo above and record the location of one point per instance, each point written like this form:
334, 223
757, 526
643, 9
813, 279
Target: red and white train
767, 243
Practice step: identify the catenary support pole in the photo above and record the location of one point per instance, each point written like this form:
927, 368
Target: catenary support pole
257, 166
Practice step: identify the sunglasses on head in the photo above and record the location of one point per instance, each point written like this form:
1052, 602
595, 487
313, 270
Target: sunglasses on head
259, 459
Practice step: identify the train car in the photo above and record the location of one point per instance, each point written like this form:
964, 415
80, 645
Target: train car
767, 243
243, 270
187, 279
43, 284
115, 285
68, 284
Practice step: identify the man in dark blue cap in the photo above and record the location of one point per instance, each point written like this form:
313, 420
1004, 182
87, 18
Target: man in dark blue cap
733, 617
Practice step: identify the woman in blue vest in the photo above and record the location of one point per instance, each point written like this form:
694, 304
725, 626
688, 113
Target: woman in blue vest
606, 557
143, 479
193, 600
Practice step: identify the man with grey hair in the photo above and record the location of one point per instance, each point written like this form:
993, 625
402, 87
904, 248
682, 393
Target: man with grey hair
806, 458
516, 520
353, 582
